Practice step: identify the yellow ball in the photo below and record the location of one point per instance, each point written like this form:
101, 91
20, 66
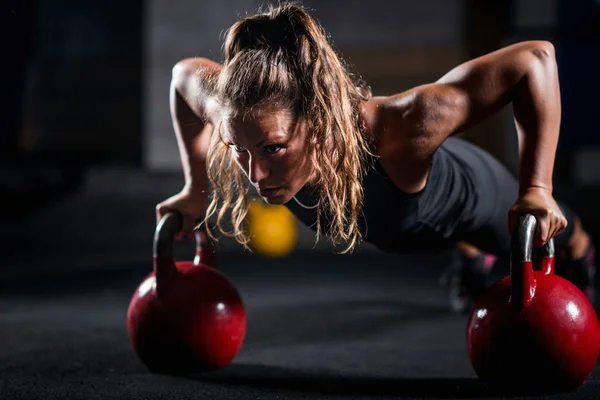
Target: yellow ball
272, 228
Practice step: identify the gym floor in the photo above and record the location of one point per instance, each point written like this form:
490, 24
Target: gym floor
320, 326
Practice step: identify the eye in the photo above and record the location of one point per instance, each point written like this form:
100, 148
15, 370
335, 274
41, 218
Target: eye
237, 148
273, 149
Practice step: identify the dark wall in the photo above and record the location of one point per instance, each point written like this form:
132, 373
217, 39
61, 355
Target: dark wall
578, 52
15, 40
83, 80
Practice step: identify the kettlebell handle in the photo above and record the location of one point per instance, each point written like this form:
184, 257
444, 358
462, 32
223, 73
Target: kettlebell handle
522, 282
164, 238
522, 243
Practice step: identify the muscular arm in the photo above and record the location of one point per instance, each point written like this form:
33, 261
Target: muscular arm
191, 120
524, 75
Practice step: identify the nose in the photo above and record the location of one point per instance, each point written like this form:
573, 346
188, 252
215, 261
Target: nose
258, 170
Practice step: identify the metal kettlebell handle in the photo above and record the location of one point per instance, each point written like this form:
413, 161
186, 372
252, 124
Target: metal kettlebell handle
522, 282
522, 240
205, 249
164, 238
165, 266
164, 235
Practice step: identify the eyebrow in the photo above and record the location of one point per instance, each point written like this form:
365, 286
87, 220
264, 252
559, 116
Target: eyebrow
280, 136
261, 143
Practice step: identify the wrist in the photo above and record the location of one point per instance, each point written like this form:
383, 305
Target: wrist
195, 190
535, 188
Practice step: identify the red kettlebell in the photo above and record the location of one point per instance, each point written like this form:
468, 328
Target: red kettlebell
533, 330
185, 317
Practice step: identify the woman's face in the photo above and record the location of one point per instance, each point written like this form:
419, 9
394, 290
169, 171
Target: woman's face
271, 148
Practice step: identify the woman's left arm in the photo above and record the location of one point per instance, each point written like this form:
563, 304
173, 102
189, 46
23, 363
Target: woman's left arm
524, 75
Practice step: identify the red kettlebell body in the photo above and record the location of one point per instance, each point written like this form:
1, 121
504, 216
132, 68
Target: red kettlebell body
533, 330
185, 317
554, 341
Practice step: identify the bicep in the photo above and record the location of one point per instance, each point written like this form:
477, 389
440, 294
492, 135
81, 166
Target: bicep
413, 124
479, 88
193, 132
190, 93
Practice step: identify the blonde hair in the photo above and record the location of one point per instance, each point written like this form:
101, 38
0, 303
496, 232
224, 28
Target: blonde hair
280, 57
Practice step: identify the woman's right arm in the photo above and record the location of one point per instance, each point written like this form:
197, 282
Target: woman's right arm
191, 122
189, 106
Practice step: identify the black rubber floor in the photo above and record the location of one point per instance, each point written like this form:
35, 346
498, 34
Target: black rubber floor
326, 327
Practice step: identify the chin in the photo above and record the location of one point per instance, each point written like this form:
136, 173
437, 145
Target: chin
276, 200
282, 197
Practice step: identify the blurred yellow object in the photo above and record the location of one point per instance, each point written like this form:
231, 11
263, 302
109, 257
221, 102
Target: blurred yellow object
272, 228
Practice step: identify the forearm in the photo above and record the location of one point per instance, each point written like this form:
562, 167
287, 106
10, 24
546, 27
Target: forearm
537, 113
193, 150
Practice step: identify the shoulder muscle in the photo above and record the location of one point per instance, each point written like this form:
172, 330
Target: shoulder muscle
410, 124
194, 80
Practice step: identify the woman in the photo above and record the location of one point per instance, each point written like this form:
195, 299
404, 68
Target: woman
284, 111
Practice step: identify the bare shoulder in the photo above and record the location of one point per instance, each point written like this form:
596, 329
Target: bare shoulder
408, 128
394, 122
194, 79
417, 121
412, 123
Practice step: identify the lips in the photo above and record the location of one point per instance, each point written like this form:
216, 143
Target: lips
269, 192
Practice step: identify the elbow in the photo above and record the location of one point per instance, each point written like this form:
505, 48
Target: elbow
542, 50
539, 59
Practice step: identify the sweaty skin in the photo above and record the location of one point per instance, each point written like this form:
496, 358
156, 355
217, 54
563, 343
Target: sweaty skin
407, 129
270, 148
